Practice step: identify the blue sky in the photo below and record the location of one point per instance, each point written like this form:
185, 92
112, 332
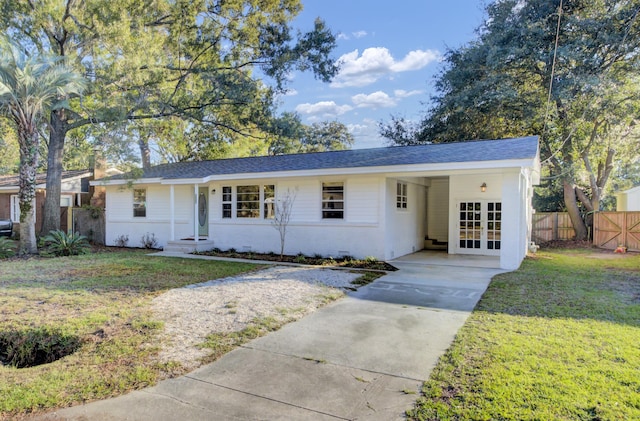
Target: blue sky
389, 52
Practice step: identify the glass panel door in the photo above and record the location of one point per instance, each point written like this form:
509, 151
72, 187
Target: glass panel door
494, 225
203, 212
470, 225
480, 224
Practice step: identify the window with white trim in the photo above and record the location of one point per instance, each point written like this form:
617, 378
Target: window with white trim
227, 201
15, 208
269, 201
139, 203
401, 195
333, 200
255, 201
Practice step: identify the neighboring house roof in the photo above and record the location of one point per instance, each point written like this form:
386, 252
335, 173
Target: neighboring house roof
524, 148
631, 190
12, 182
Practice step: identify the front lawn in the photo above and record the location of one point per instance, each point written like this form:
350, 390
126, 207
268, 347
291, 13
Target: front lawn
559, 339
95, 307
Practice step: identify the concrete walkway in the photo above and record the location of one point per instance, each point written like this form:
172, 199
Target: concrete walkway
361, 358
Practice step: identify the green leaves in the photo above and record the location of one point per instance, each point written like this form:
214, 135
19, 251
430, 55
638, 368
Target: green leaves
58, 243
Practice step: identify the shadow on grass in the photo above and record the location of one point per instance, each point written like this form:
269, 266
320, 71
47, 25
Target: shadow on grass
578, 284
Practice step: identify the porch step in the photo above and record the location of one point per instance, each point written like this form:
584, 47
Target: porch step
188, 246
430, 244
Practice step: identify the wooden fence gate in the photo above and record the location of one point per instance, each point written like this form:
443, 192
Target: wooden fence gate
613, 229
549, 226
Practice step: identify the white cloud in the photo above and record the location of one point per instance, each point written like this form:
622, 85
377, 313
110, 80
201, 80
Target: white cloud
323, 108
401, 93
291, 92
374, 100
342, 35
415, 60
374, 63
359, 34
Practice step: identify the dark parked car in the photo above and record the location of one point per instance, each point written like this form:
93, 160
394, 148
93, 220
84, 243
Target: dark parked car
6, 227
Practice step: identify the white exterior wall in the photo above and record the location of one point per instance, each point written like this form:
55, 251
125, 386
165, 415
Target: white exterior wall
359, 234
512, 189
514, 220
120, 221
438, 210
628, 200
405, 227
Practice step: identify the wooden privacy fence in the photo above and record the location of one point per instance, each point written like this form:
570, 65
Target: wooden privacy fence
90, 223
613, 229
549, 226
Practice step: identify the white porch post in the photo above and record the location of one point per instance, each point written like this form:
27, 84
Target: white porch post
172, 215
196, 235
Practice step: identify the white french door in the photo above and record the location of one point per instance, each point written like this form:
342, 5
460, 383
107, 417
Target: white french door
479, 226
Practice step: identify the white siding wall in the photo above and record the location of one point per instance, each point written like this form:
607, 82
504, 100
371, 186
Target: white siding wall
629, 200
405, 227
360, 234
120, 220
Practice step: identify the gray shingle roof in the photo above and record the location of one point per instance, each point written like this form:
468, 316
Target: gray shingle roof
484, 150
14, 180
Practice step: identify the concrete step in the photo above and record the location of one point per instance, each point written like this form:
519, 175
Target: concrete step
188, 246
430, 244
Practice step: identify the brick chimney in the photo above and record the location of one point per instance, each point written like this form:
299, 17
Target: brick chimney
99, 168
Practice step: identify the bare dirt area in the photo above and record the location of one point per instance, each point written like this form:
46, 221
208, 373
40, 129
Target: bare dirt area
231, 304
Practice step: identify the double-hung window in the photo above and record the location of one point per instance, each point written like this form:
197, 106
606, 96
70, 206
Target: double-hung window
269, 200
401, 195
139, 203
227, 202
253, 201
333, 200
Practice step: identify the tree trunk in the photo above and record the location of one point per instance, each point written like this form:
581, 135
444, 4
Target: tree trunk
27, 193
571, 204
51, 217
145, 152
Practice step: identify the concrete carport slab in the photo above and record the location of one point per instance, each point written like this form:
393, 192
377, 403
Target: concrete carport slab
363, 357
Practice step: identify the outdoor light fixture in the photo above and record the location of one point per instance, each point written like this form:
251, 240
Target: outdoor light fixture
483, 187
213, 191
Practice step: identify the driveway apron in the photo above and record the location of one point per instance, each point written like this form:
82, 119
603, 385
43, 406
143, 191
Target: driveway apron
361, 358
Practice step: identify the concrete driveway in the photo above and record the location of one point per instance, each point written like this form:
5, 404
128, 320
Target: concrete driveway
363, 357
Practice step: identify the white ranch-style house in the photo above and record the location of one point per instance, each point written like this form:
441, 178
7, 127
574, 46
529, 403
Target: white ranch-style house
474, 197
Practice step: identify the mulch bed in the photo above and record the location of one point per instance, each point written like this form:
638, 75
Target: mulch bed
302, 259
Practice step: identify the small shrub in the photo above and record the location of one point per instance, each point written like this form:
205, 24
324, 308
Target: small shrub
370, 259
7, 248
59, 243
122, 240
300, 258
149, 241
347, 258
318, 256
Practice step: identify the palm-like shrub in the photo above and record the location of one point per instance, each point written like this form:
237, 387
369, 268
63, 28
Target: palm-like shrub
7, 248
59, 243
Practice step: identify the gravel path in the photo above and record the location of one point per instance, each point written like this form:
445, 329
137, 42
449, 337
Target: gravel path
230, 304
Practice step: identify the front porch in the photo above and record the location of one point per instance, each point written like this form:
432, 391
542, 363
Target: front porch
442, 258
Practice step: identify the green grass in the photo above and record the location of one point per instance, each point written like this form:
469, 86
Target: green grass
103, 299
559, 339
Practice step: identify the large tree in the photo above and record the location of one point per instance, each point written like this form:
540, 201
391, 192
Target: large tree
30, 87
198, 60
566, 70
